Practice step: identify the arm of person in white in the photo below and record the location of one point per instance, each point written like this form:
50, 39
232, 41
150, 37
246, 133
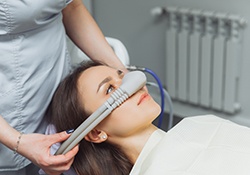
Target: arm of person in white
34, 147
86, 34
51, 130
8, 135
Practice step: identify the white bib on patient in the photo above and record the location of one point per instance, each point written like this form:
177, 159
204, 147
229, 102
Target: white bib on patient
202, 145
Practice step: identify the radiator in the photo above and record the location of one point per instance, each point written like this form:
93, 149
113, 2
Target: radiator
203, 57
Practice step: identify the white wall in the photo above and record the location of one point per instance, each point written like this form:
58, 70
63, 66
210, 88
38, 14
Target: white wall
144, 36
76, 54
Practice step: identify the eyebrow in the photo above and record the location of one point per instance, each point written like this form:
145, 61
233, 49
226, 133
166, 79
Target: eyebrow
119, 72
103, 82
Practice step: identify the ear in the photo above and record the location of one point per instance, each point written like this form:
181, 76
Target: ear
96, 136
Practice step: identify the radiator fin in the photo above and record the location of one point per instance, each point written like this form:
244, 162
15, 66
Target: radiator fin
202, 58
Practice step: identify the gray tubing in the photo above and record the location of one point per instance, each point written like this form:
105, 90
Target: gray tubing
131, 83
82, 132
81, 129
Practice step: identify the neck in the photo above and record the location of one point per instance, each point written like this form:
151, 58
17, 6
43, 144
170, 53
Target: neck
132, 146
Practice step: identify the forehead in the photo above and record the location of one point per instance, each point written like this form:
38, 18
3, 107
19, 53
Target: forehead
94, 75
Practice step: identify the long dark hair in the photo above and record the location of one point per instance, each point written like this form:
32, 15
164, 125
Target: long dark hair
65, 112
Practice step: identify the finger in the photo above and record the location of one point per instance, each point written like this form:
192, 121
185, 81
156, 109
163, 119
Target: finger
64, 158
59, 137
54, 170
72, 152
60, 167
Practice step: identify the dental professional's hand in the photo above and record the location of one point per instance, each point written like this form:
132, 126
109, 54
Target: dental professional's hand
36, 147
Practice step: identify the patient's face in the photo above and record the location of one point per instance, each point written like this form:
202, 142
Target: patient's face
95, 86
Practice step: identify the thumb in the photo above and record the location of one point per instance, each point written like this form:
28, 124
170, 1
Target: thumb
61, 136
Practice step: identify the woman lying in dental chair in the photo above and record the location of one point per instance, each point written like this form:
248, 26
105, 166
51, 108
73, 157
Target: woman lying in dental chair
127, 142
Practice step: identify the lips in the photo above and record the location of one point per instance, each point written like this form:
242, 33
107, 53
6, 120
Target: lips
143, 97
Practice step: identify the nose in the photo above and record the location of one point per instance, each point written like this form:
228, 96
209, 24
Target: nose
118, 81
145, 88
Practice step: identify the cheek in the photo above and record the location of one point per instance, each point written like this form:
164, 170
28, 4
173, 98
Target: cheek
92, 104
126, 119
118, 123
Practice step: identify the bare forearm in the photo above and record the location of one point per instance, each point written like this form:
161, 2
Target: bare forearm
8, 135
85, 33
36, 147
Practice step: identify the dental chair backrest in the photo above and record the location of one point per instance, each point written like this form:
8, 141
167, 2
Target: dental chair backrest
120, 50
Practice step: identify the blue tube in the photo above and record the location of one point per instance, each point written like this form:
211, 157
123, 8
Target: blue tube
168, 98
161, 92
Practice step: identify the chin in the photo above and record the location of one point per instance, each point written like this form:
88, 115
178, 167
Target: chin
157, 108
155, 111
